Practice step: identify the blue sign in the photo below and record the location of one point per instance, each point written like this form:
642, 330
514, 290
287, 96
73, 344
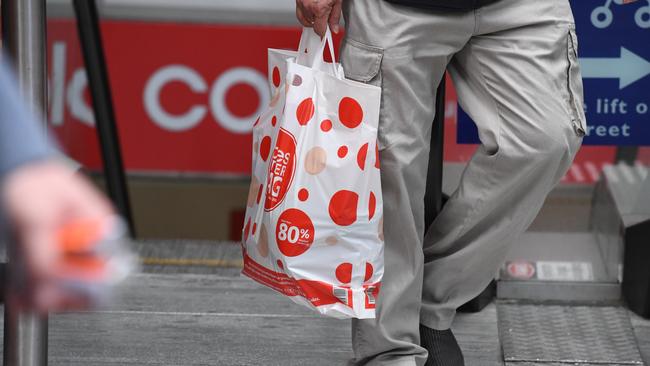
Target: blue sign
614, 42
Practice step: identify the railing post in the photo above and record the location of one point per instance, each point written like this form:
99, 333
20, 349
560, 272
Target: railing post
100, 91
24, 35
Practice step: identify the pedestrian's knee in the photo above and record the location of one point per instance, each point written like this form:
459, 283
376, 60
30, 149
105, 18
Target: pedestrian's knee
539, 150
555, 142
558, 149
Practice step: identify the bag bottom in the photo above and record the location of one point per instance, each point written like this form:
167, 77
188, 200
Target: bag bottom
327, 299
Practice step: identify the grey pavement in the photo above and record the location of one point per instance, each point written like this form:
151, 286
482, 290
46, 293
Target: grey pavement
217, 317
187, 319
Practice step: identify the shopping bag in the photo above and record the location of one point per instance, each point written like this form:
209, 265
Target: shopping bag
313, 224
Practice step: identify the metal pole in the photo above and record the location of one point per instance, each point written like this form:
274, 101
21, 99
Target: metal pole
626, 154
433, 195
23, 28
100, 91
25, 333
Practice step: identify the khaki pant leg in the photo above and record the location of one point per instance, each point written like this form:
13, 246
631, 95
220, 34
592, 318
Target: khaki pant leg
405, 52
518, 79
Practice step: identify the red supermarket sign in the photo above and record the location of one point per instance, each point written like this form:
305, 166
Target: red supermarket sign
186, 96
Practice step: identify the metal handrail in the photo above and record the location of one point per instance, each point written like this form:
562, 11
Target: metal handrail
24, 34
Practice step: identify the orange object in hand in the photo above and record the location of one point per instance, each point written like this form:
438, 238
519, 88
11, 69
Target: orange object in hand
93, 257
80, 236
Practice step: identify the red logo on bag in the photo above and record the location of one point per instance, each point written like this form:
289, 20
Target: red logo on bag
281, 170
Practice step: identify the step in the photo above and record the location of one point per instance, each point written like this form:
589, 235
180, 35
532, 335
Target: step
564, 266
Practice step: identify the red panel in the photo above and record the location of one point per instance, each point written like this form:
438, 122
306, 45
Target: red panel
137, 52
237, 218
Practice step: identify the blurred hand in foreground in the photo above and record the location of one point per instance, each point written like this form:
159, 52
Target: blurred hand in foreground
40, 198
319, 14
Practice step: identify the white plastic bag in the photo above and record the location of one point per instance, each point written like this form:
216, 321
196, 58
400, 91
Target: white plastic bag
313, 225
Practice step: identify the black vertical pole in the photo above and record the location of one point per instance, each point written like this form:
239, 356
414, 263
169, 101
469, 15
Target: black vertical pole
433, 195
100, 90
626, 154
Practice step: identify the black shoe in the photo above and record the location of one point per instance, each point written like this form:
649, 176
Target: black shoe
442, 347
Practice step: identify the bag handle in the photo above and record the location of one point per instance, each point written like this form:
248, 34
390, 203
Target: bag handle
310, 42
309, 45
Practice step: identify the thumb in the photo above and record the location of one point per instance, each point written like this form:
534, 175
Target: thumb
335, 16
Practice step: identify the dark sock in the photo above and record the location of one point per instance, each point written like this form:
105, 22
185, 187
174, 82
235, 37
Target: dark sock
442, 347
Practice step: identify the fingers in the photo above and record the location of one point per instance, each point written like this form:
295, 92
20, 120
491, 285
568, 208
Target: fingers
320, 25
319, 14
300, 14
335, 16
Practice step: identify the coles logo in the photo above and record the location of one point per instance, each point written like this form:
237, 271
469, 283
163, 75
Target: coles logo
182, 75
281, 169
182, 104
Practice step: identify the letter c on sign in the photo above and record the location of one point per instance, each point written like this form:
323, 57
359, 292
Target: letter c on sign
218, 98
152, 98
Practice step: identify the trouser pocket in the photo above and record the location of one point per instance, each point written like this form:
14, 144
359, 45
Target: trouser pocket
362, 62
575, 96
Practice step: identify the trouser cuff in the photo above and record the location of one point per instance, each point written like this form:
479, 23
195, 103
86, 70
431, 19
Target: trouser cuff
438, 320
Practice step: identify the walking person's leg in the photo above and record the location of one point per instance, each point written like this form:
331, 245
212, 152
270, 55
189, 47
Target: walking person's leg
405, 51
519, 80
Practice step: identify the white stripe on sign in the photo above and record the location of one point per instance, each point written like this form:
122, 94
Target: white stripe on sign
641, 169
577, 173
593, 171
628, 173
450, 110
612, 174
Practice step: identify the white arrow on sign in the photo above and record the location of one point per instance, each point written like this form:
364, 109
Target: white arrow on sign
628, 68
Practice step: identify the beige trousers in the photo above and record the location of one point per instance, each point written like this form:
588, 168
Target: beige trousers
514, 65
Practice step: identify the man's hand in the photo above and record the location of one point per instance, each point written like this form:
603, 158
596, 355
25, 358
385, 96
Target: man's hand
40, 198
318, 14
